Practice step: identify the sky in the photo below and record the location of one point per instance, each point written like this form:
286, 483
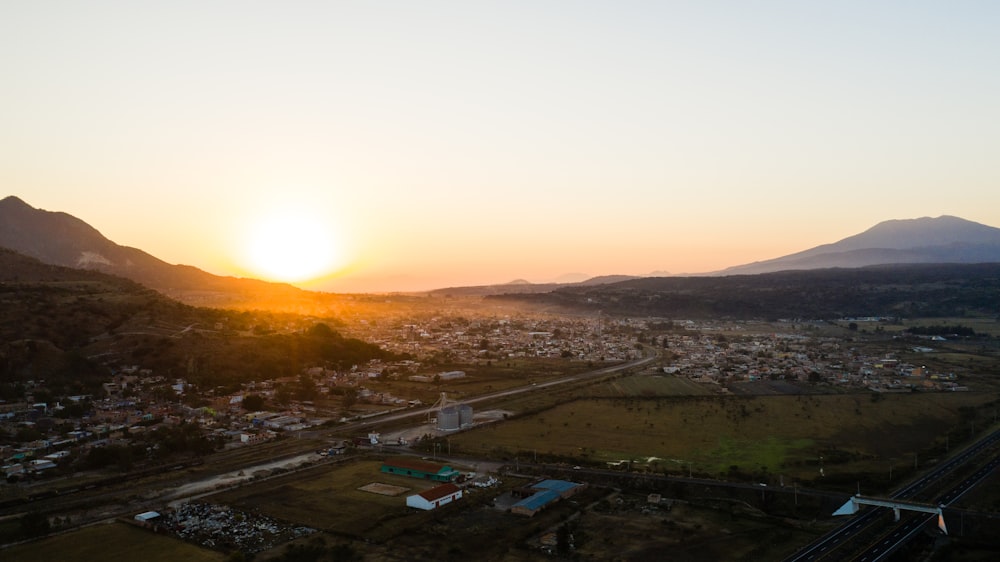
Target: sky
416, 145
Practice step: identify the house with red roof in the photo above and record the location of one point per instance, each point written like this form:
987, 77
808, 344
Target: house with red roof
435, 497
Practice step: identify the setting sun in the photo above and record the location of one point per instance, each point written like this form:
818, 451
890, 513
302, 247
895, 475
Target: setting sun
293, 247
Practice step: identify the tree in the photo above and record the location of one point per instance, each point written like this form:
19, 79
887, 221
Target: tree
253, 402
306, 388
283, 395
563, 540
34, 524
350, 397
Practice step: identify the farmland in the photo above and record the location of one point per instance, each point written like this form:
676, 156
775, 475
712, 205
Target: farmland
725, 435
116, 541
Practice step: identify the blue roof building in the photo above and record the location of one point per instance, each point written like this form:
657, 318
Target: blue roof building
546, 493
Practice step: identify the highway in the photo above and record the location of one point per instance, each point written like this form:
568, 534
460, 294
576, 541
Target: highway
423, 412
909, 526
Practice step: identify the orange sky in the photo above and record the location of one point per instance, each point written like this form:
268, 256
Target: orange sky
447, 143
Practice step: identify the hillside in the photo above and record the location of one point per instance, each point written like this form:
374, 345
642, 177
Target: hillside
61, 239
524, 287
70, 327
906, 290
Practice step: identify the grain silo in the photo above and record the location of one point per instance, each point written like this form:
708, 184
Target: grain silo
448, 419
464, 415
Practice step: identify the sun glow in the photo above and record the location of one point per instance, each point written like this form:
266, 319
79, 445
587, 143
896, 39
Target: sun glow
293, 246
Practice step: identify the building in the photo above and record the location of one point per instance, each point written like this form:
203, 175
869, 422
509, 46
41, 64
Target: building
435, 497
415, 468
147, 517
545, 493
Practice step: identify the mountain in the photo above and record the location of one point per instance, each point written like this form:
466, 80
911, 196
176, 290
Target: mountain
61, 239
522, 287
69, 325
944, 239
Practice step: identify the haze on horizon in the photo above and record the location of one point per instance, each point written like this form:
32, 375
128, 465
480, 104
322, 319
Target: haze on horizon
452, 143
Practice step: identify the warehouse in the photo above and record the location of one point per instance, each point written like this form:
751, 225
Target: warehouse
415, 468
435, 497
544, 494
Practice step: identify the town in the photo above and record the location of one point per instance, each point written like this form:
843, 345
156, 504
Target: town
56, 434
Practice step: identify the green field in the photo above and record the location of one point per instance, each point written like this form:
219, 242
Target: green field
713, 435
117, 541
988, 326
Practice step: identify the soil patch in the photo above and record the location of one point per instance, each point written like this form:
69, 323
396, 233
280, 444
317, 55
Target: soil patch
384, 489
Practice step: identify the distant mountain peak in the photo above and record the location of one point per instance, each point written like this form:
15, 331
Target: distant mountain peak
943, 239
13, 200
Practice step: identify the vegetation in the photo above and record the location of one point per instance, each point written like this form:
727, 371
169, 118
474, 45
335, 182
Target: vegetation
736, 437
897, 291
55, 318
101, 543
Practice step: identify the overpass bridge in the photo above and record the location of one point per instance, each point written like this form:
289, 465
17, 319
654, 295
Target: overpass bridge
853, 505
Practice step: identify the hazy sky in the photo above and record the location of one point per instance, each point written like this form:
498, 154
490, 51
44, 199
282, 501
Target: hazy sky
465, 142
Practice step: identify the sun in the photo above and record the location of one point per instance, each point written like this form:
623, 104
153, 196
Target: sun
292, 246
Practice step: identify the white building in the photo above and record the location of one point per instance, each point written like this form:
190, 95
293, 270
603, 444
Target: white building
435, 497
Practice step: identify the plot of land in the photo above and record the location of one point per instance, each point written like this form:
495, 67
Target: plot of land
116, 541
651, 385
384, 489
329, 498
712, 435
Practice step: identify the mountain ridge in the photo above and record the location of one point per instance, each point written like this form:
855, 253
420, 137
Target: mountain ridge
58, 238
943, 239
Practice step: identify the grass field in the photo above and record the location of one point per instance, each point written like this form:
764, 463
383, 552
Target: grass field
765, 434
116, 541
989, 326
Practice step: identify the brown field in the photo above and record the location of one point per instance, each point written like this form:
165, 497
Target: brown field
683, 532
383, 489
764, 434
650, 385
501, 374
117, 541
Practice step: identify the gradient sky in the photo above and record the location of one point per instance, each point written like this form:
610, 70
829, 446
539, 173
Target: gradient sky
454, 143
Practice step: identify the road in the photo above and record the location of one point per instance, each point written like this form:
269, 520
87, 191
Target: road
865, 520
236, 475
423, 412
907, 528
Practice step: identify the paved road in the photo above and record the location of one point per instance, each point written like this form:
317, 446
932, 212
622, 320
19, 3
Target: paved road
423, 412
865, 520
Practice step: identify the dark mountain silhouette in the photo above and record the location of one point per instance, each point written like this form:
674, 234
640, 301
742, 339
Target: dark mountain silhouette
68, 325
944, 239
520, 287
57, 238
896, 290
